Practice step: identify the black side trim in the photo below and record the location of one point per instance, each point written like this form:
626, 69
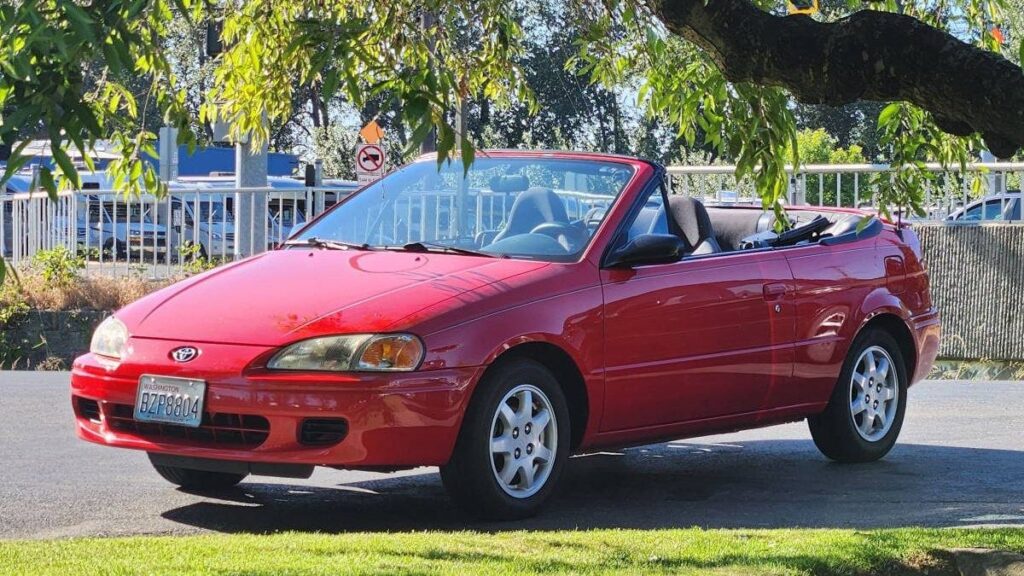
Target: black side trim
874, 228
232, 466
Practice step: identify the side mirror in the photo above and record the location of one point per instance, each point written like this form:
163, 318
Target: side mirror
648, 249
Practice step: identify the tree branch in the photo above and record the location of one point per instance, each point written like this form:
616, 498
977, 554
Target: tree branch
868, 55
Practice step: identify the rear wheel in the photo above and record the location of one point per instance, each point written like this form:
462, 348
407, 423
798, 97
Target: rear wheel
513, 444
200, 480
865, 414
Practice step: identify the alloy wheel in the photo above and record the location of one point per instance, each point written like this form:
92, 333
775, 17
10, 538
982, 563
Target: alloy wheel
524, 439
874, 394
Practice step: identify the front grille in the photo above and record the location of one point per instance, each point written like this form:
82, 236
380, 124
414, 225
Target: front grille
216, 429
88, 409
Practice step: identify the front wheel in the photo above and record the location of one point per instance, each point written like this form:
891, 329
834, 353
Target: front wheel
865, 414
198, 480
513, 444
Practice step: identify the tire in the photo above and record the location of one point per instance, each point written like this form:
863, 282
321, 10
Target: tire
198, 480
116, 250
473, 476
861, 423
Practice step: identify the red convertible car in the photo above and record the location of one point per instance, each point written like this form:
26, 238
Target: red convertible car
494, 322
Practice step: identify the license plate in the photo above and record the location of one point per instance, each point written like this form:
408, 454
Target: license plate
170, 400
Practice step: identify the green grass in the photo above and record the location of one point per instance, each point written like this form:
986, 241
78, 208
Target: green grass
690, 551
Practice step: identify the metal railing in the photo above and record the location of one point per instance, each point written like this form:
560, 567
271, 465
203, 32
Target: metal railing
432, 215
186, 229
193, 227
953, 192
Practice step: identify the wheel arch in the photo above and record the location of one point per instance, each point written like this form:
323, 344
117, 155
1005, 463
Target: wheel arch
896, 327
566, 372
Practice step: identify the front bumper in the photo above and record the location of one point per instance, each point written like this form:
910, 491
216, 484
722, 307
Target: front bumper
393, 419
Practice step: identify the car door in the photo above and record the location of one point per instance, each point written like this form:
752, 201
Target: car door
705, 337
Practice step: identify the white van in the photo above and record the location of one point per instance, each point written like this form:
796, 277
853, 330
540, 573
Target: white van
122, 230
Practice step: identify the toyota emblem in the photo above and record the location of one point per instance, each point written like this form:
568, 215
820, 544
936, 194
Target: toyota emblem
184, 354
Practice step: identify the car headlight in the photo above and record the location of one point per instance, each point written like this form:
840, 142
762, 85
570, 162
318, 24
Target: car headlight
215, 235
352, 353
109, 338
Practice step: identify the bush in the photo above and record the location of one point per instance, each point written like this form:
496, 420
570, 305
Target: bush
58, 265
193, 260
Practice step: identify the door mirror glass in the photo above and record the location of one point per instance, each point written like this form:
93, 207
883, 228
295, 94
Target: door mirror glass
648, 249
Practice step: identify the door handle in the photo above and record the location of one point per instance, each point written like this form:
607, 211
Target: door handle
775, 290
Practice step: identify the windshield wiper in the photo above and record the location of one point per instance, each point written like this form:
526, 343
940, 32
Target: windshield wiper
432, 247
327, 244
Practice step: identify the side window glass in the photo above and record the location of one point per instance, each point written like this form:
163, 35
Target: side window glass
972, 213
994, 210
652, 218
991, 210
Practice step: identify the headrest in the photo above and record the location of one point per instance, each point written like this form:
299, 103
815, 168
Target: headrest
691, 218
510, 183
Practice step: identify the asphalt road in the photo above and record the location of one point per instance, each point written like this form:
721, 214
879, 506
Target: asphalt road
959, 462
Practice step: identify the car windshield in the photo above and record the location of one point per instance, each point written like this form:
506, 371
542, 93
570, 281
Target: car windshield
538, 208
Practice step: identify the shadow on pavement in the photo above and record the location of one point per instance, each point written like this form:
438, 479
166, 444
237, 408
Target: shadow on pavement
768, 483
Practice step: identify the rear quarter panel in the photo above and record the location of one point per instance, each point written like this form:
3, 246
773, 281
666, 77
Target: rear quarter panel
839, 289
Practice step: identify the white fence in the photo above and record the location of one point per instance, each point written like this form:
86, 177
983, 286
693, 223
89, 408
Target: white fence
152, 236
167, 236
854, 185
172, 235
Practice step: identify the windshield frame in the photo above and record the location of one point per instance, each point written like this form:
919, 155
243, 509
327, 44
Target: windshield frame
631, 164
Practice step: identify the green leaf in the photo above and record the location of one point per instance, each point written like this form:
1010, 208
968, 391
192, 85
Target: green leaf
468, 154
46, 181
79, 20
886, 115
67, 167
330, 84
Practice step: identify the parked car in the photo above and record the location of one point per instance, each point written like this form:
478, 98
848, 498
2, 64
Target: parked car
119, 229
286, 204
996, 207
200, 219
368, 343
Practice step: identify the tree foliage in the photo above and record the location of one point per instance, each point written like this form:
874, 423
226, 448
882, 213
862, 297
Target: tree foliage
423, 59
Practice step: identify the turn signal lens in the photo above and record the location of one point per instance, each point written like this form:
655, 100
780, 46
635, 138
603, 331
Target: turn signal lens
391, 352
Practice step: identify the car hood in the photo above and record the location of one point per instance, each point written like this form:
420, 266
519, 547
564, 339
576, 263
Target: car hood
287, 295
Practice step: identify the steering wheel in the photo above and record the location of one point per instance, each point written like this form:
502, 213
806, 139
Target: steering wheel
563, 233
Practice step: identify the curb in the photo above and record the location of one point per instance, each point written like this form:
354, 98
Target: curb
984, 562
